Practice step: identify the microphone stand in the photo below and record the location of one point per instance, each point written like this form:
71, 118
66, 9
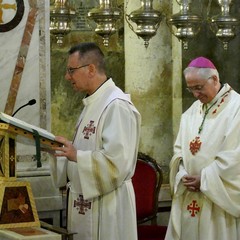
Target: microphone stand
31, 102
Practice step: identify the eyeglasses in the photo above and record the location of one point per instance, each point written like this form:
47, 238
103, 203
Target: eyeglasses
71, 70
197, 88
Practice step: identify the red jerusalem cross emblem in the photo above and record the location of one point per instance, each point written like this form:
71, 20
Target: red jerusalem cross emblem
81, 205
194, 145
193, 208
89, 130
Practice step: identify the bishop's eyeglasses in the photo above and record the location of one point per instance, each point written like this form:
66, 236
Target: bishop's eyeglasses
71, 70
197, 88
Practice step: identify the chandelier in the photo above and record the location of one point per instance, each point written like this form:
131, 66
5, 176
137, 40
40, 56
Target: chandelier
60, 19
147, 20
188, 24
105, 16
225, 23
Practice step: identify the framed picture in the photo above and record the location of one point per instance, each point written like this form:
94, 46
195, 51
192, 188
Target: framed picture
17, 205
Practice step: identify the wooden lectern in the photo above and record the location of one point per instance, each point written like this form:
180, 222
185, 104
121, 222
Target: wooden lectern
17, 205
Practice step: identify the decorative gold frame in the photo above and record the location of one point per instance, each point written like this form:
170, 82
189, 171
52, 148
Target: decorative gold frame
17, 205
7, 154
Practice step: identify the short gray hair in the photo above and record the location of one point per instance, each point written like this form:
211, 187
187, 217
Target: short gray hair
203, 72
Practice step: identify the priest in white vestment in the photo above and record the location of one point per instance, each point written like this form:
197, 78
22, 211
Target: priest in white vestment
205, 168
100, 161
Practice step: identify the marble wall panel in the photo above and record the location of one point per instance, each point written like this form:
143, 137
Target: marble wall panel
148, 77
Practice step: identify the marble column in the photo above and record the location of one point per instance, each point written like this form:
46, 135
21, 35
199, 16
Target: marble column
153, 79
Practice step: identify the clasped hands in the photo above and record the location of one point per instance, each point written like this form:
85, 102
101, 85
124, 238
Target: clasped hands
67, 150
192, 182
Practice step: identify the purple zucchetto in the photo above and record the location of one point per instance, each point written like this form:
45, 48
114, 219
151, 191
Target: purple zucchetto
201, 62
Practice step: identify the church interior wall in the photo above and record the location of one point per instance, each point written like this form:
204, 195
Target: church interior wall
144, 73
152, 76
147, 74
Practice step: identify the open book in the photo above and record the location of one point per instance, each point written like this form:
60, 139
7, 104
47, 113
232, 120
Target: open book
23, 126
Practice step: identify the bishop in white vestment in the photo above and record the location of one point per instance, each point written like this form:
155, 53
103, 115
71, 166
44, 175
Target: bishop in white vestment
208, 145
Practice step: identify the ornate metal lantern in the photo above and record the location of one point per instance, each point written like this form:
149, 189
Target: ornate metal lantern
105, 17
60, 19
225, 23
187, 24
147, 20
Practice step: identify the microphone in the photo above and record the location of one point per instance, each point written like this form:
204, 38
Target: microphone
31, 102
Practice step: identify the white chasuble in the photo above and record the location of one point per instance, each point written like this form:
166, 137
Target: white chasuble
214, 212
101, 200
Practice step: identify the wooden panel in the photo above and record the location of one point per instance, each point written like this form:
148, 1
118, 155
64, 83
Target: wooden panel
17, 205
